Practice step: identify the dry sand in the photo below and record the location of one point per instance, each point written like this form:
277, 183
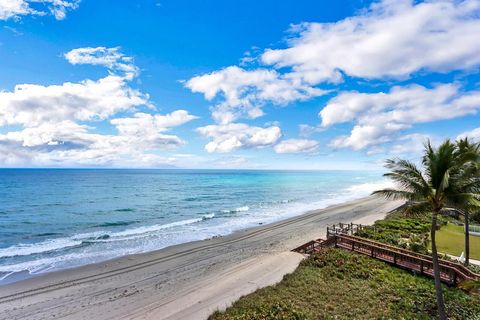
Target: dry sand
187, 281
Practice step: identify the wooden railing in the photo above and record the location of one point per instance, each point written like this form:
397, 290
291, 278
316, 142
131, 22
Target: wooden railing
343, 228
450, 272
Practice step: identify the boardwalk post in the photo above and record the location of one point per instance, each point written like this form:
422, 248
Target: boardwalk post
421, 266
394, 258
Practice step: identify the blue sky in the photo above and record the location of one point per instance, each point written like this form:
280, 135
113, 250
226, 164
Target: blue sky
244, 84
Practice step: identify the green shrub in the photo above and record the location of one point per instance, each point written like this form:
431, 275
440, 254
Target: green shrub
402, 231
275, 311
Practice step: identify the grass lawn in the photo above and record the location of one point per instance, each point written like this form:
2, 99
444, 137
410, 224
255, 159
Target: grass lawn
336, 284
451, 240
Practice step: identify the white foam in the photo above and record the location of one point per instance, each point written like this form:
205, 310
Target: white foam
239, 209
365, 189
208, 216
157, 227
77, 240
33, 248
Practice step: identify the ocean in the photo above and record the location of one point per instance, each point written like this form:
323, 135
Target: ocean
52, 219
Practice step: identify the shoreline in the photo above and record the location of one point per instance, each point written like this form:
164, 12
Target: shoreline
185, 281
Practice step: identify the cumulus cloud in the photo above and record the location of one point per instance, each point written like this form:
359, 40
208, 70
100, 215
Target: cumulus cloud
389, 39
14, 9
473, 134
232, 136
379, 117
393, 38
111, 58
57, 122
67, 142
296, 146
411, 144
245, 91
148, 129
144, 122
32, 105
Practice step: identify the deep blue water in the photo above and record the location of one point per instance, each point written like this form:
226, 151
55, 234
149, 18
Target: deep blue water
52, 219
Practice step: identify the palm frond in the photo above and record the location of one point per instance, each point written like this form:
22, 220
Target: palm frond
416, 209
393, 194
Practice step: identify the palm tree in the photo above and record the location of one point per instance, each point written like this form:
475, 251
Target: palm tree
430, 190
469, 154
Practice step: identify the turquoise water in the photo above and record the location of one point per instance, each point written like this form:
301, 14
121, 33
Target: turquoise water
52, 219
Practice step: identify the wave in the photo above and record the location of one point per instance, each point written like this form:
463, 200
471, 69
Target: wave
42, 247
89, 238
365, 189
239, 209
115, 224
208, 216
157, 227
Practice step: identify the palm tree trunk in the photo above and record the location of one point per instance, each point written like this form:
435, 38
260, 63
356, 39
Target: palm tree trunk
436, 270
467, 238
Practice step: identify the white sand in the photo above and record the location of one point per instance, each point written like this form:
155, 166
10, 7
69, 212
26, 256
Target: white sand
187, 281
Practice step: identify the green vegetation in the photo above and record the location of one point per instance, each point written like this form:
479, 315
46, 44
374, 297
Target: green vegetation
336, 284
399, 230
413, 233
451, 240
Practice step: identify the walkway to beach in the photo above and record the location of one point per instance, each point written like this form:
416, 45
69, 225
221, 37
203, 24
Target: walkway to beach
451, 273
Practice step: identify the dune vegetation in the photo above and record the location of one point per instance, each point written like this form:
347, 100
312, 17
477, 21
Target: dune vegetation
336, 284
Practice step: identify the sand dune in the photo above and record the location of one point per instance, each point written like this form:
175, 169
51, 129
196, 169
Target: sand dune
187, 281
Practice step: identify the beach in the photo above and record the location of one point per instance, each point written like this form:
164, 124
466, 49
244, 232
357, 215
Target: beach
186, 281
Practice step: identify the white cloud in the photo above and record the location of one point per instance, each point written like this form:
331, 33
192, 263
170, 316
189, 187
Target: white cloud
88, 100
473, 134
235, 162
143, 122
296, 146
32, 105
389, 39
232, 136
378, 117
245, 91
67, 142
147, 129
111, 58
393, 38
411, 144
14, 9
57, 122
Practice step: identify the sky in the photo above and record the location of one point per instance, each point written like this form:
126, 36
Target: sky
302, 84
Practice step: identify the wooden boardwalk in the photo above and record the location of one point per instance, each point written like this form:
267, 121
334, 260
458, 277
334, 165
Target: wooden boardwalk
451, 273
